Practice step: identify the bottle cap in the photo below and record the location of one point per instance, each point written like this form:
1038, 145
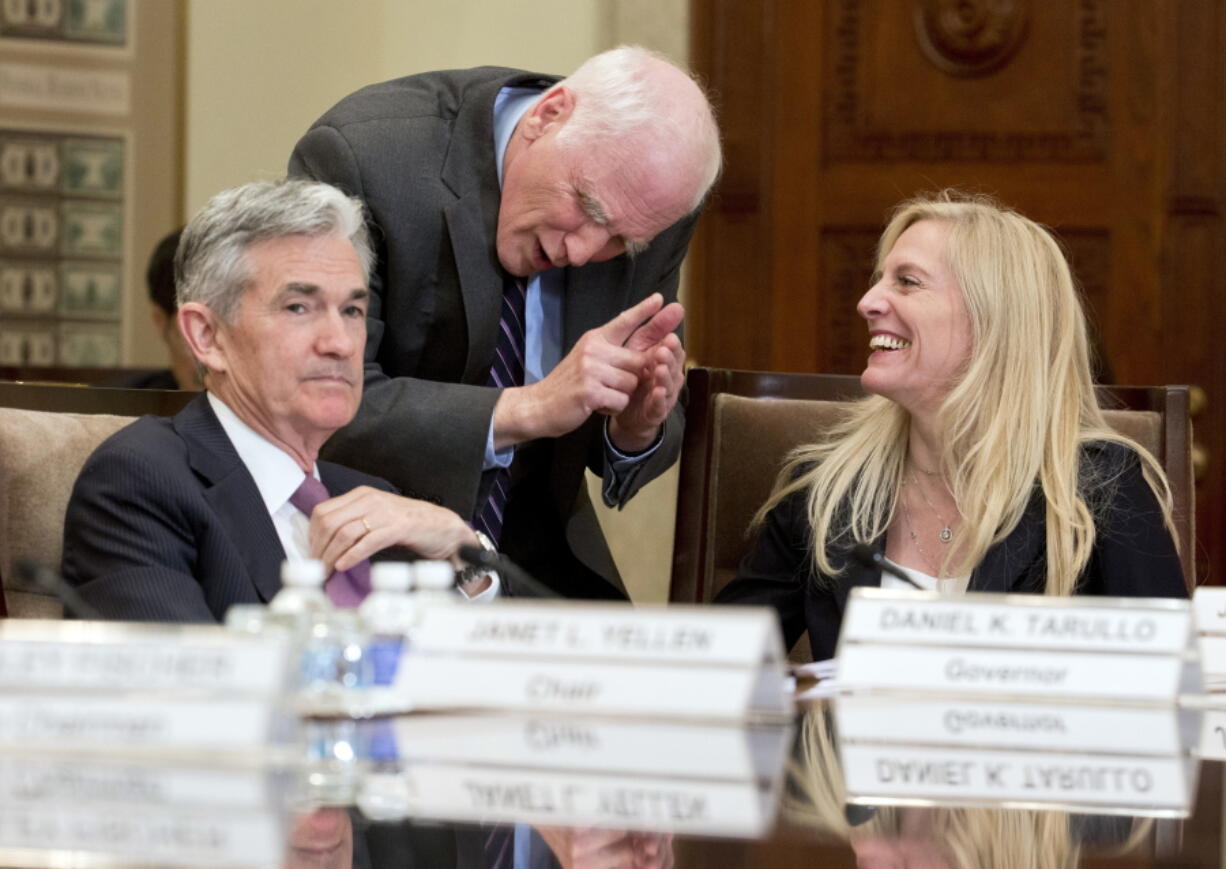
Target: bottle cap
435, 575
395, 576
303, 574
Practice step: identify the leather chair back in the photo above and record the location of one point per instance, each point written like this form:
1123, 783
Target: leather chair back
46, 434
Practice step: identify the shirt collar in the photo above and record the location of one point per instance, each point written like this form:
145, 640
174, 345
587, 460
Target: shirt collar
511, 104
275, 472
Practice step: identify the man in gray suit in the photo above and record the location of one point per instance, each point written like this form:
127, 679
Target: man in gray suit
575, 197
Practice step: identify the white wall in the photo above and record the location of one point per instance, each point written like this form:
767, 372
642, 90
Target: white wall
259, 72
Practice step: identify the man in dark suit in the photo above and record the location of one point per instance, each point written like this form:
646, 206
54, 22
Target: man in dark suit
582, 195
179, 519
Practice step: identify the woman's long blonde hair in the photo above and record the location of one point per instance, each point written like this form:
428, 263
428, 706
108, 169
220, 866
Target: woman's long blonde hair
1017, 417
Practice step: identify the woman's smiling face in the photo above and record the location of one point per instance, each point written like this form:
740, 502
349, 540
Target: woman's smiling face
919, 330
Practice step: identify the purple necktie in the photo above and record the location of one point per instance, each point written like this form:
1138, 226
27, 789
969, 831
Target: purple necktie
507, 370
345, 588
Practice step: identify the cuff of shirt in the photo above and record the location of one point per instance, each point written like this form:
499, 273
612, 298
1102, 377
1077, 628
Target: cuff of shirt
491, 591
621, 470
496, 458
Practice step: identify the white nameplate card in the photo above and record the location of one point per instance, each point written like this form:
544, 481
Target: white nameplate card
136, 724
119, 836
30, 780
1210, 607
743, 809
993, 723
1092, 783
99, 657
632, 747
1011, 672
1116, 649
427, 682
1213, 735
721, 662
1022, 621
710, 636
1213, 662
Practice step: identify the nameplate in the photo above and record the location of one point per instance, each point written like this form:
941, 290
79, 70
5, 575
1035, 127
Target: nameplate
30, 780
1141, 730
434, 682
150, 837
1158, 626
1213, 735
632, 747
101, 657
1209, 605
1011, 672
1143, 786
492, 795
139, 725
1213, 660
712, 636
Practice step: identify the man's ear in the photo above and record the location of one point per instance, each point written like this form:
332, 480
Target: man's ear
202, 329
551, 110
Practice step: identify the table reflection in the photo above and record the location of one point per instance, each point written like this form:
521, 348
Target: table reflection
949, 837
457, 790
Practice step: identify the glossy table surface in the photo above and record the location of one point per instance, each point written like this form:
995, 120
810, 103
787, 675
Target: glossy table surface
450, 790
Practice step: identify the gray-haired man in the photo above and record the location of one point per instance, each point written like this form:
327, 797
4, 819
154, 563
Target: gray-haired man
179, 519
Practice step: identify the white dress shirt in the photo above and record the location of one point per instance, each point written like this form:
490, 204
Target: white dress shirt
278, 476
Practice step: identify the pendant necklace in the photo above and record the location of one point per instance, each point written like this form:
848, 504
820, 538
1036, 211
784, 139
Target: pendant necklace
947, 533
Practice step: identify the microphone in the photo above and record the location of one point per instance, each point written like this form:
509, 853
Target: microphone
42, 578
867, 556
514, 575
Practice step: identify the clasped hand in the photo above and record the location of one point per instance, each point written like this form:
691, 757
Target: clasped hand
630, 369
350, 528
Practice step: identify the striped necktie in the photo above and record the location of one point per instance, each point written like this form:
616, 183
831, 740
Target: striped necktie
506, 371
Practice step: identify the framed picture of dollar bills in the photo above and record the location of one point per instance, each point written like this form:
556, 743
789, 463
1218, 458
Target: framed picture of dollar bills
91, 178
67, 23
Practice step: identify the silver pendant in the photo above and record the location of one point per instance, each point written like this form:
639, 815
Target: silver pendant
946, 534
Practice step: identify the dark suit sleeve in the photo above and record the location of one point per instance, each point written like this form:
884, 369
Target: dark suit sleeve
777, 572
427, 436
129, 552
1134, 553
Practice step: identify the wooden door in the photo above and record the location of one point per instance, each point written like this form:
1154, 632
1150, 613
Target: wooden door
1100, 118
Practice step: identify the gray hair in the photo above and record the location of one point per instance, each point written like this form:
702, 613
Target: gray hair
211, 264
617, 98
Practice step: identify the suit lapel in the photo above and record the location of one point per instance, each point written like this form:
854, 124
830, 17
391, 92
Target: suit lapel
233, 496
1009, 564
469, 171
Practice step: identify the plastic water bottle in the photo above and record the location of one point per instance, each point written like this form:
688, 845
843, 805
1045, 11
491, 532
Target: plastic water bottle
435, 582
301, 594
388, 614
333, 665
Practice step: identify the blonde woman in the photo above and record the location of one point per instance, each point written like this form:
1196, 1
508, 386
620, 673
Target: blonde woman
981, 459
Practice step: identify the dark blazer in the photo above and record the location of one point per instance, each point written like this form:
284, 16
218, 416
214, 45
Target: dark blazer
419, 151
1134, 555
166, 524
